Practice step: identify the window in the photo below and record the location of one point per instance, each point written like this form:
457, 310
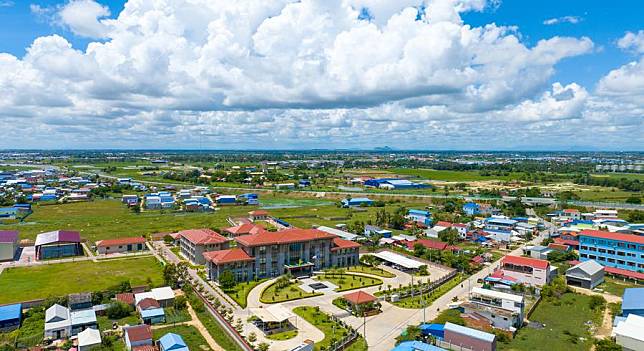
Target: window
611, 252
621, 253
620, 262
602, 250
593, 249
584, 247
630, 264
602, 258
632, 246
611, 260
592, 257
583, 255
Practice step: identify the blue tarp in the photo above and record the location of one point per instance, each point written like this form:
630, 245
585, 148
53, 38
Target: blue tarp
437, 330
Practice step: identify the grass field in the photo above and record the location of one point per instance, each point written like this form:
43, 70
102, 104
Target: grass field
349, 281
292, 292
332, 330
28, 283
616, 286
371, 270
105, 219
285, 335
418, 302
450, 176
191, 336
241, 290
565, 328
603, 194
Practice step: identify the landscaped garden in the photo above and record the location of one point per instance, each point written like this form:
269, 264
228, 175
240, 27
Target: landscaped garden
284, 289
371, 270
422, 300
348, 281
333, 331
565, 325
239, 292
285, 335
35, 282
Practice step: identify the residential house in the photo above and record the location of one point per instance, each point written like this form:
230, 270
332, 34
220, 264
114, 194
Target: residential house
223, 200
633, 302
468, 338
79, 301
623, 251
243, 229
421, 217
194, 242
163, 295
58, 323
587, 274
628, 333
370, 230
150, 311
9, 244
83, 319
471, 209
258, 215
172, 342
120, 245
528, 271
138, 335
502, 310
58, 244
89, 339
10, 317
570, 214
130, 200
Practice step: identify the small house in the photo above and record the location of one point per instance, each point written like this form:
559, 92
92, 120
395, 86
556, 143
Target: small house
138, 335
10, 317
258, 215
9, 244
88, 339
172, 342
120, 245
587, 274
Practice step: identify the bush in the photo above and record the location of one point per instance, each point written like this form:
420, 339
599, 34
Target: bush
180, 303
596, 302
118, 310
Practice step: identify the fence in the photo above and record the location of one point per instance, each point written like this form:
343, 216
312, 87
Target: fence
347, 340
425, 288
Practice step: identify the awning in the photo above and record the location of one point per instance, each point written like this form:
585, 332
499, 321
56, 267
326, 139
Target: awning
273, 313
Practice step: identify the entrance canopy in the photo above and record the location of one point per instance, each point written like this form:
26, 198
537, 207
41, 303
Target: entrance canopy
398, 260
272, 314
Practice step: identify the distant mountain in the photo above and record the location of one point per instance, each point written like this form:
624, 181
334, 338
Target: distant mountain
383, 148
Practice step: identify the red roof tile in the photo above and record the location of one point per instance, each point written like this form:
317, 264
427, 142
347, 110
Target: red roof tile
343, 244
121, 241
128, 298
227, 256
203, 236
139, 333
145, 348
612, 236
459, 225
429, 244
525, 261
571, 210
287, 236
359, 297
148, 303
258, 213
246, 228
573, 243
557, 246
444, 224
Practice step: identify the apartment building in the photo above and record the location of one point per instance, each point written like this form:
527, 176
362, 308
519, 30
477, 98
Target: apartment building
194, 242
617, 250
526, 270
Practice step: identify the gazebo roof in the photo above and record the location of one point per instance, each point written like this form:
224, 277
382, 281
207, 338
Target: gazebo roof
359, 297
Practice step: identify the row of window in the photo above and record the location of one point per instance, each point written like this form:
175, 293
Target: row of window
612, 243
610, 252
612, 260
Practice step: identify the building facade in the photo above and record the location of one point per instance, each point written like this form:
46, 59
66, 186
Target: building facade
121, 245
528, 271
624, 251
194, 242
502, 310
8, 244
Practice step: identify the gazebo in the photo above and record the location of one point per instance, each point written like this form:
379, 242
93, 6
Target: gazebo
362, 303
274, 318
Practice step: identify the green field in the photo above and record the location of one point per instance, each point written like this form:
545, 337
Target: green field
346, 282
29, 283
603, 194
449, 176
371, 270
292, 292
564, 329
190, 335
240, 291
617, 286
106, 219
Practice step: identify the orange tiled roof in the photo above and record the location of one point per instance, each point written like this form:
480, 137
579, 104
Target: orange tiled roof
287, 236
227, 256
203, 236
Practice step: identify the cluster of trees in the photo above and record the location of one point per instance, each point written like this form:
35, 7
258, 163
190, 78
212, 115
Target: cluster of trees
634, 185
447, 258
394, 220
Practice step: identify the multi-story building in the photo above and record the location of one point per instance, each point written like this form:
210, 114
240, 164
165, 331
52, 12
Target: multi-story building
271, 254
194, 242
502, 310
623, 251
528, 271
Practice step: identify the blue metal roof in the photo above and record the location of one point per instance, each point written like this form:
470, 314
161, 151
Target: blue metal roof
419, 212
477, 334
633, 299
154, 312
416, 346
172, 342
10, 312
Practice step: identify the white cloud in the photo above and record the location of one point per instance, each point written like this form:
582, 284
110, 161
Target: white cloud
632, 41
85, 18
291, 74
6, 3
564, 19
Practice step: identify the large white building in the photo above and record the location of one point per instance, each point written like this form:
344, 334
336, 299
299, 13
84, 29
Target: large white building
502, 310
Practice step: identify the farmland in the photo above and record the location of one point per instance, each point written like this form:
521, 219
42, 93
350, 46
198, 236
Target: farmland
28, 283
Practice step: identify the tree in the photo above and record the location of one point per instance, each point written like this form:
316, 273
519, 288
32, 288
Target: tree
118, 310
263, 346
561, 256
227, 280
607, 344
252, 337
634, 200
449, 236
180, 303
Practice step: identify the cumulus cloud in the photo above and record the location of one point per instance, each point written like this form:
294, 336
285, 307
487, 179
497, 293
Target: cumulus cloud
632, 41
288, 73
564, 19
85, 18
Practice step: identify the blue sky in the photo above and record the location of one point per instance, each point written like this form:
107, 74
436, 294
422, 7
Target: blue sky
584, 81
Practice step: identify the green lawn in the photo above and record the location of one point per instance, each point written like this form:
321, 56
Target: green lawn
616, 286
564, 330
285, 335
332, 330
604, 194
349, 281
419, 301
173, 315
371, 270
104, 323
191, 336
214, 329
241, 290
292, 292
28, 283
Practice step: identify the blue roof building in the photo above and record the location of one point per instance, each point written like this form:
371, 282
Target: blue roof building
471, 208
394, 183
10, 317
358, 201
435, 330
633, 302
420, 216
172, 342
153, 316
416, 346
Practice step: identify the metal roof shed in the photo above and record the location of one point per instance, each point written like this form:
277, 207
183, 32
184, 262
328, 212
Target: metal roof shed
633, 301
